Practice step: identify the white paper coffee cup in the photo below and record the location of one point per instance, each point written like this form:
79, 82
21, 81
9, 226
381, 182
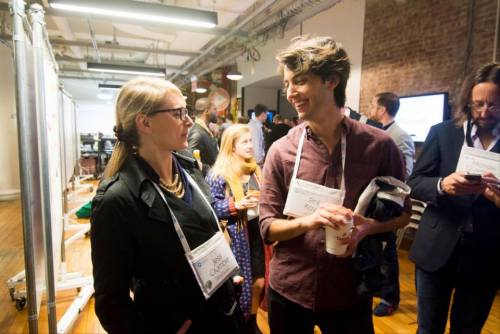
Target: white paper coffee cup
334, 238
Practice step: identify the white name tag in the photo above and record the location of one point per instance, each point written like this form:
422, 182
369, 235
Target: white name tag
476, 161
213, 263
305, 197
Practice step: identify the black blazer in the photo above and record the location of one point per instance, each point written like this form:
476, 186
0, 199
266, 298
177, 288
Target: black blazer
439, 230
135, 247
200, 139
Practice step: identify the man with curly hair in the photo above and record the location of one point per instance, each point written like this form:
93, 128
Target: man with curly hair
309, 286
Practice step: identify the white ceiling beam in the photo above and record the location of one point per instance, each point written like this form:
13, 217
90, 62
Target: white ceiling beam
111, 62
116, 46
65, 29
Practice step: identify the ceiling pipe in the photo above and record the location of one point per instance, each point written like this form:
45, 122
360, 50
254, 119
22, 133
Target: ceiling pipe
111, 62
295, 13
115, 46
63, 26
217, 31
259, 10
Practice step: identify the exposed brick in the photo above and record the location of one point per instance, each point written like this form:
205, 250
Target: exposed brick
418, 46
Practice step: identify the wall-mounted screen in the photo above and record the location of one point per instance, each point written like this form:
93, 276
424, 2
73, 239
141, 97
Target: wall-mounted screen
270, 115
418, 113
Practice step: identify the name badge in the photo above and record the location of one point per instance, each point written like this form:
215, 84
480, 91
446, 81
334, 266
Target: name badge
305, 197
476, 161
213, 263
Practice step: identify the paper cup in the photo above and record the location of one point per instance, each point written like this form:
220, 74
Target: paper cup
334, 238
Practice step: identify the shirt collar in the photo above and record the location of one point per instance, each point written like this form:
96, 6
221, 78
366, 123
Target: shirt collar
477, 142
385, 127
346, 124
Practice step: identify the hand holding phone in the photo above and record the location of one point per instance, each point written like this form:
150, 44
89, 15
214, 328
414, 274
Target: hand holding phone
473, 177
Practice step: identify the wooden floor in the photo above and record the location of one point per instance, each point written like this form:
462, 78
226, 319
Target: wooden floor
11, 262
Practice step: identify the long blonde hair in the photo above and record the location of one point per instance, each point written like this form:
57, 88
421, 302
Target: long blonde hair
228, 164
137, 96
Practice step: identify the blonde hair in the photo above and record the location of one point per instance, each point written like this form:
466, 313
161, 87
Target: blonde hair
138, 96
229, 165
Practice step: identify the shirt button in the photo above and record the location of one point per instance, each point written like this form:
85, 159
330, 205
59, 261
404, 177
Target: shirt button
322, 241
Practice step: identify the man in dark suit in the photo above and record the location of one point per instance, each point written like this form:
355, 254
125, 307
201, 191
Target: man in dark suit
279, 130
201, 137
458, 241
352, 114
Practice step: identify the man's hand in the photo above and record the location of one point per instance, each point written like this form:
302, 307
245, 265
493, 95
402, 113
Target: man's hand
327, 215
247, 202
362, 227
457, 184
492, 190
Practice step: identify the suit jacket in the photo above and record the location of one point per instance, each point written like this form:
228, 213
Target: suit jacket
134, 244
200, 139
363, 119
439, 231
278, 131
405, 144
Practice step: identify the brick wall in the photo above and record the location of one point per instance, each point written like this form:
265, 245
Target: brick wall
418, 46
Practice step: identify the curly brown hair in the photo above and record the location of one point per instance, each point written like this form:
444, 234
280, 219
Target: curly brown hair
321, 56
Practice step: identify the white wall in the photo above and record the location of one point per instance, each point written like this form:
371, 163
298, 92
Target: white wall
265, 96
94, 117
344, 22
9, 155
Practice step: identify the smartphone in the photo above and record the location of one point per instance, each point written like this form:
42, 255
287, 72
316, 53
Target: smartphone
473, 177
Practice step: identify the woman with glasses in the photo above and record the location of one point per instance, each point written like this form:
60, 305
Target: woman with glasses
154, 234
458, 240
234, 181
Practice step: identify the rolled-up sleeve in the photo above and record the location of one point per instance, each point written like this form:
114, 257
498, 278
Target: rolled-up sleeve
223, 206
273, 191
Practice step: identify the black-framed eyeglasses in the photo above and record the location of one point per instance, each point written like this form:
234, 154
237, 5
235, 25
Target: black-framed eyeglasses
179, 113
481, 105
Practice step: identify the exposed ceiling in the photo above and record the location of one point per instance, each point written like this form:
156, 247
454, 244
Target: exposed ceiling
242, 25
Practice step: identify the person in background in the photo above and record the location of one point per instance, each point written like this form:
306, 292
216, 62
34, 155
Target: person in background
383, 109
224, 123
201, 136
242, 120
458, 240
309, 286
256, 125
353, 114
279, 130
235, 183
150, 211
288, 122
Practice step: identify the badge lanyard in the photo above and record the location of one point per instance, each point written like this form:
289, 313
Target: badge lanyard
343, 144
208, 279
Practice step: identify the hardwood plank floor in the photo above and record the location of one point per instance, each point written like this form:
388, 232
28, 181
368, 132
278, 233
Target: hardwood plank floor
403, 321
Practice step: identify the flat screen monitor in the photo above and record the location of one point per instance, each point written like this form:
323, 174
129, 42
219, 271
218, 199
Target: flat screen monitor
417, 113
270, 115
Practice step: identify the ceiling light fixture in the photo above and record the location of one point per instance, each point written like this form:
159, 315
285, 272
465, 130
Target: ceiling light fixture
109, 86
122, 69
234, 75
200, 90
140, 11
